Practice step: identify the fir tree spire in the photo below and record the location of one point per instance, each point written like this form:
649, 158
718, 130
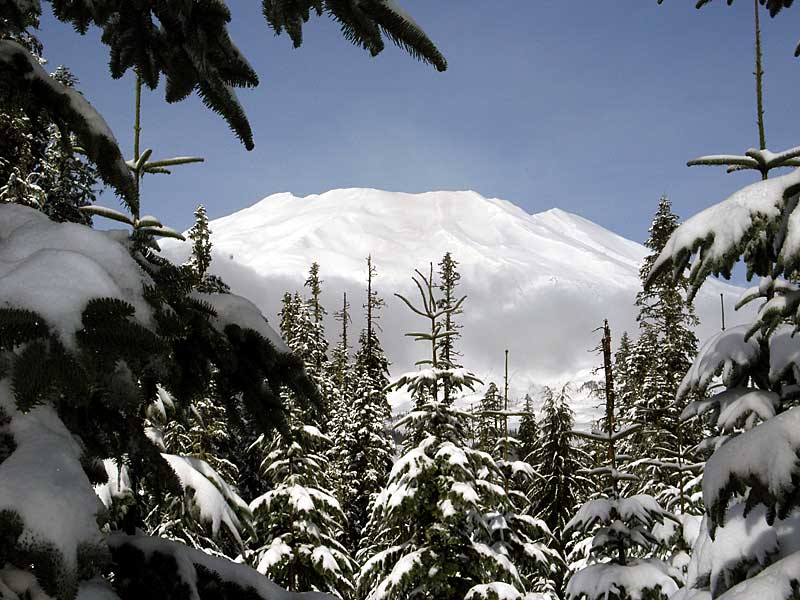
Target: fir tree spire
200, 234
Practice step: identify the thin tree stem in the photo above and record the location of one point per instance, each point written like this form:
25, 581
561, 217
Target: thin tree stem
137, 133
759, 83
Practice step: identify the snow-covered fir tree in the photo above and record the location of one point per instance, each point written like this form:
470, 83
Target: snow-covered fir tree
366, 448
430, 533
208, 514
448, 282
38, 166
340, 370
651, 373
82, 359
559, 463
622, 564
488, 424
748, 541
200, 258
299, 522
528, 432
340, 357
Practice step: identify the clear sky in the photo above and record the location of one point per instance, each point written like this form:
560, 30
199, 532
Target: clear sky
592, 106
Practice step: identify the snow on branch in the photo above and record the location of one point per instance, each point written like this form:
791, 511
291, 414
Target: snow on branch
720, 234
766, 458
604, 436
56, 269
779, 581
497, 590
761, 160
236, 310
736, 408
608, 580
641, 508
195, 566
729, 353
216, 501
47, 503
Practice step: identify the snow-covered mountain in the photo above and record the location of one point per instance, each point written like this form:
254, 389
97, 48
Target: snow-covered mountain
537, 284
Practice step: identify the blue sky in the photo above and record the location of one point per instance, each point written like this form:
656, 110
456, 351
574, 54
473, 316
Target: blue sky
589, 106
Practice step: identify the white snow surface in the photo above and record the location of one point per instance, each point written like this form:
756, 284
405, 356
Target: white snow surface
497, 590
774, 582
537, 284
598, 581
54, 269
44, 483
768, 452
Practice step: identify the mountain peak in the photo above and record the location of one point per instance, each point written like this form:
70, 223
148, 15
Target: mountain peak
537, 284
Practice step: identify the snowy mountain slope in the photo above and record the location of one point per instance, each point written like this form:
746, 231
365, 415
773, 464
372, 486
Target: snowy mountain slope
537, 284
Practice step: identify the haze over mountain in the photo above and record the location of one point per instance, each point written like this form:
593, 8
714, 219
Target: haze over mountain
537, 284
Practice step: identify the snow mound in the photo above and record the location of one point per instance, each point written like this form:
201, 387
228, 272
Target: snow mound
601, 581
55, 269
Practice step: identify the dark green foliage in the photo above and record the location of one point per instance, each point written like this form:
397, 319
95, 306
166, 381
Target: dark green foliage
559, 462
361, 22
18, 326
24, 84
40, 167
528, 432
489, 423
650, 370
139, 576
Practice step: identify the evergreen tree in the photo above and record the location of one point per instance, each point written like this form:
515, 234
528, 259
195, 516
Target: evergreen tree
200, 234
370, 355
652, 372
448, 281
340, 370
560, 463
200, 259
340, 359
318, 312
430, 531
620, 527
196, 443
38, 165
74, 386
750, 488
528, 432
299, 521
489, 429
367, 448
625, 379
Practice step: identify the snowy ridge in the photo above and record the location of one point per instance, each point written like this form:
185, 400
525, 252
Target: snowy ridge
537, 284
